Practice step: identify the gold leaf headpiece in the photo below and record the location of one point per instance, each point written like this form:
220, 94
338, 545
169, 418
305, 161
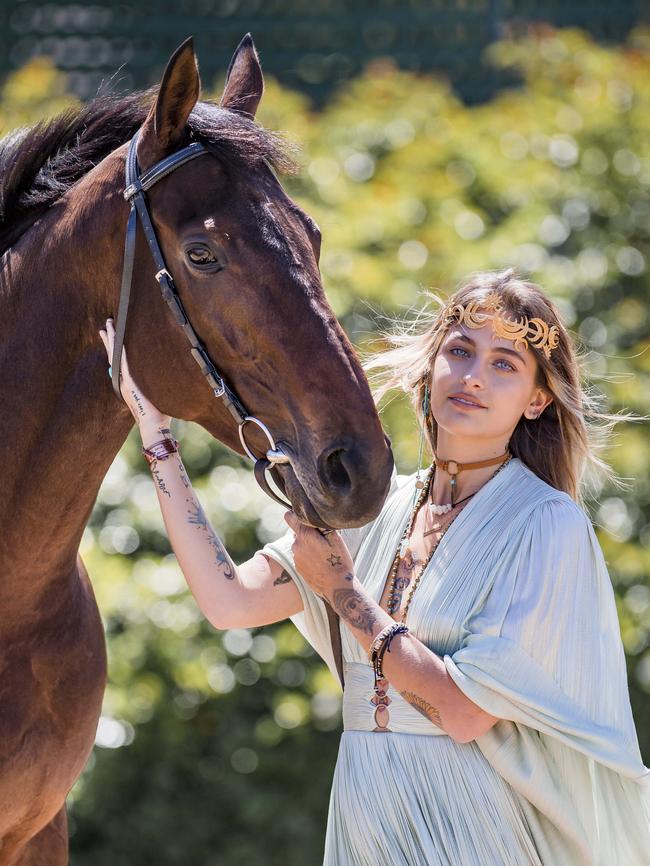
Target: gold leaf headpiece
537, 332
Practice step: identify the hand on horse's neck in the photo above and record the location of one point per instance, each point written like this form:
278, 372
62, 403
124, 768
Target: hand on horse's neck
60, 425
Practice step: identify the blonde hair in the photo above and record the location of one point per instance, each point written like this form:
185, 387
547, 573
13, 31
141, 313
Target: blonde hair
563, 443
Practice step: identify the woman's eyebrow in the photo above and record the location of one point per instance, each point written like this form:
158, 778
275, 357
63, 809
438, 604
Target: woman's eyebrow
500, 349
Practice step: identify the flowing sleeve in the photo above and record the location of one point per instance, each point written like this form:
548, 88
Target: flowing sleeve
547, 640
312, 620
544, 655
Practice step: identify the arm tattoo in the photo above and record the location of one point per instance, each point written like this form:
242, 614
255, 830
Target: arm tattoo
423, 707
198, 517
160, 482
138, 402
184, 478
353, 607
285, 577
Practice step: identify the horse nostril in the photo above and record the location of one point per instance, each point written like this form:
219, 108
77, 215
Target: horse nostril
333, 471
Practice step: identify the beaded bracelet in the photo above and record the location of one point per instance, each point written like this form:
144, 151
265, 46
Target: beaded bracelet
379, 697
382, 646
378, 645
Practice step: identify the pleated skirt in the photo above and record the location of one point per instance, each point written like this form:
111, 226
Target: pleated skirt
415, 800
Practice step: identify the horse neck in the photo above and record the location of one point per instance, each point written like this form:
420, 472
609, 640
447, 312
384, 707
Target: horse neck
60, 424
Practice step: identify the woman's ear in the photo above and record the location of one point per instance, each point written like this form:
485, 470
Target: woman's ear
541, 399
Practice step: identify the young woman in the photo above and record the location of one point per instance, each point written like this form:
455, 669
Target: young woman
486, 712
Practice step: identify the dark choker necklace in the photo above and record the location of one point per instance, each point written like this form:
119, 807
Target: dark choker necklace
454, 468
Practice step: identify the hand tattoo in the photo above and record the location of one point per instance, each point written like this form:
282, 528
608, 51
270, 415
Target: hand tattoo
199, 519
354, 609
423, 707
285, 577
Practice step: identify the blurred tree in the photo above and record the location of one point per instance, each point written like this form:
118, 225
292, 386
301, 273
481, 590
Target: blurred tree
35, 92
219, 748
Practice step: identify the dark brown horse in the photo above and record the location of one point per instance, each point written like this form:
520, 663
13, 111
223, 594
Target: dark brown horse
244, 257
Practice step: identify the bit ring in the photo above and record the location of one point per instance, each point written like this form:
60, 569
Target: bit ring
274, 455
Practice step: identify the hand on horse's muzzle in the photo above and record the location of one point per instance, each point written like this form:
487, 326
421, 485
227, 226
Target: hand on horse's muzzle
321, 560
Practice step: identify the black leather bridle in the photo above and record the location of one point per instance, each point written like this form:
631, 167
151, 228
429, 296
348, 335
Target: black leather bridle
136, 187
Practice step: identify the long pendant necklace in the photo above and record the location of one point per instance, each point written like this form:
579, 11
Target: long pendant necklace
379, 698
404, 552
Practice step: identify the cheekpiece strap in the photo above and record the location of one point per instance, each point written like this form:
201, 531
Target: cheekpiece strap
136, 186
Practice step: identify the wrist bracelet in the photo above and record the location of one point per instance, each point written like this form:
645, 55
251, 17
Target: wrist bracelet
160, 450
374, 646
378, 646
379, 697
381, 645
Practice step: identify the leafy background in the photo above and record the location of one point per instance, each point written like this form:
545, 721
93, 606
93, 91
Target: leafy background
219, 747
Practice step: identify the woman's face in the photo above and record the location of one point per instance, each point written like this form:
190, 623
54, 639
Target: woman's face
497, 379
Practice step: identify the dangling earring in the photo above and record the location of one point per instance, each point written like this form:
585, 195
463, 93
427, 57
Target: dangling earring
419, 484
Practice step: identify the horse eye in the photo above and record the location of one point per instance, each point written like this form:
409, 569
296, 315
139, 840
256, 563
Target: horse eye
201, 256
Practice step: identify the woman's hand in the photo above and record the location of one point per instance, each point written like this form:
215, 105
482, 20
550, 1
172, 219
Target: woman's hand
322, 560
147, 417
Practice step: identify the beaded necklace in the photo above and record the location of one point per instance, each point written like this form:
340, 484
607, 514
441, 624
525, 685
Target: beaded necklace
392, 602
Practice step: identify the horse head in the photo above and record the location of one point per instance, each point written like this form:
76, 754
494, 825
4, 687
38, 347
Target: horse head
244, 258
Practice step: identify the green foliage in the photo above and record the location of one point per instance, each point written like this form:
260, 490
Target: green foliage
219, 748
35, 92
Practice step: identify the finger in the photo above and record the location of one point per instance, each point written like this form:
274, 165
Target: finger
110, 335
124, 364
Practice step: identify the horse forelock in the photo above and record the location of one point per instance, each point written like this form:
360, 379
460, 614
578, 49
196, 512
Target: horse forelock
40, 164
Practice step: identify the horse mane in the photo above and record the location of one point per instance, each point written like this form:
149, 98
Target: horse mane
39, 164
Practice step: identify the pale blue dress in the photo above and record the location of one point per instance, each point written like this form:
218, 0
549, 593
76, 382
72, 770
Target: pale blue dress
518, 602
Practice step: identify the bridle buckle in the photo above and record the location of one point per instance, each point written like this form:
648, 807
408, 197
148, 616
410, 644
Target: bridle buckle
163, 275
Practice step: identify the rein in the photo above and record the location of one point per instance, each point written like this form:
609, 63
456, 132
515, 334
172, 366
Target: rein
136, 187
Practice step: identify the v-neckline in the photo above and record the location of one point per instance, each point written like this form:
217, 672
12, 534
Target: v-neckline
479, 495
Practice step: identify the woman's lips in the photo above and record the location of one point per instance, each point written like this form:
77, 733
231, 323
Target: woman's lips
465, 405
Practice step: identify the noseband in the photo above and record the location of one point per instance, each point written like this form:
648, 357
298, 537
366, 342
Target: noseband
136, 187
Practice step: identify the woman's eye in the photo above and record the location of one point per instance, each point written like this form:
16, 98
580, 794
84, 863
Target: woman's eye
456, 349
201, 256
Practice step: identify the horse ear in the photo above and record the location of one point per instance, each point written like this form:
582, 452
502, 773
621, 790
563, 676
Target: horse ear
179, 90
244, 81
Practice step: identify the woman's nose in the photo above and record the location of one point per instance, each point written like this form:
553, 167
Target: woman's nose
473, 374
